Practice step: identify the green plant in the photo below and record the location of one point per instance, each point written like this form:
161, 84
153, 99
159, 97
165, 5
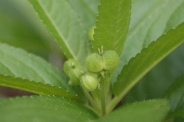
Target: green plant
124, 29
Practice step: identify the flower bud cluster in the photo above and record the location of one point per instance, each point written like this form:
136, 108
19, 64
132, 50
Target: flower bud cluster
108, 60
95, 63
78, 76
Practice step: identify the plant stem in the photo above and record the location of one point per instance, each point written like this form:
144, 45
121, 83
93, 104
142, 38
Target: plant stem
97, 97
104, 85
94, 103
103, 98
94, 110
116, 100
113, 104
91, 100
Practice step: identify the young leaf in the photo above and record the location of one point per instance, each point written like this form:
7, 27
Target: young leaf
43, 109
35, 87
147, 111
18, 63
175, 95
112, 25
68, 23
148, 58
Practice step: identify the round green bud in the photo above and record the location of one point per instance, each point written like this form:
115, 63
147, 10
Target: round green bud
110, 59
94, 62
91, 32
70, 64
89, 82
75, 75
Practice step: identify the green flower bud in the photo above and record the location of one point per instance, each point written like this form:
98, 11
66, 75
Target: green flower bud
94, 62
110, 59
70, 64
89, 82
75, 75
91, 32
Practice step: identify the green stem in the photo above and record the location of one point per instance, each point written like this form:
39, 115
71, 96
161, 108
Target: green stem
103, 98
94, 110
91, 100
113, 104
115, 101
97, 97
104, 85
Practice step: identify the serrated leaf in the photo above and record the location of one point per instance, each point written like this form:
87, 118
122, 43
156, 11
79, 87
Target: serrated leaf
149, 20
18, 63
112, 25
68, 23
147, 59
147, 111
35, 87
156, 82
175, 95
43, 109
148, 23
162, 75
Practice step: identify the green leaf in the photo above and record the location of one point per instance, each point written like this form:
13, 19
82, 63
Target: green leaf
112, 25
18, 63
176, 17
68, 23
148, 23
36, 87
156, 82
43, 109
175, 95
147, 111
147, 59
161, 76
149, 20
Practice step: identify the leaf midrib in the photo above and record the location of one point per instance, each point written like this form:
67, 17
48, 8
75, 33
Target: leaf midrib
56, 28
